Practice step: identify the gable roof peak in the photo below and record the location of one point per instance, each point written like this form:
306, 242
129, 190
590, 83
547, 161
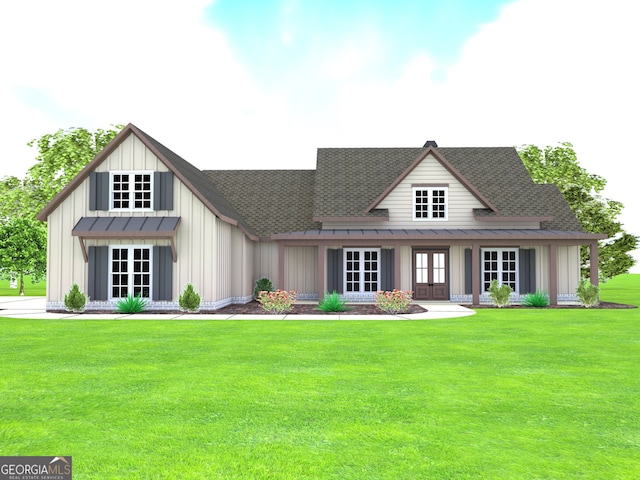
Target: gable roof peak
430, 143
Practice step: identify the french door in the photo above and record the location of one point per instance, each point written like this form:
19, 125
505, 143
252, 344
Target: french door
430, 274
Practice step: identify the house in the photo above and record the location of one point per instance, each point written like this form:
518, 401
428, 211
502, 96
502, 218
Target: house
442, 222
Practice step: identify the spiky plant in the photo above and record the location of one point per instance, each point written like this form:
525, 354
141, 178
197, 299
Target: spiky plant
537, 299
131, 304
331, 302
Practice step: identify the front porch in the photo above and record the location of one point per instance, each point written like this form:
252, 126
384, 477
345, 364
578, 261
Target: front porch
435, 264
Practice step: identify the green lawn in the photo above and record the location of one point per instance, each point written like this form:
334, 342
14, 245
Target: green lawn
504, 394
32, 289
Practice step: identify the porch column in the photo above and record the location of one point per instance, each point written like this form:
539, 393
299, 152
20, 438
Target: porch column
475, 273
593, 262
553, 274
321, 270
397, 277
280, 266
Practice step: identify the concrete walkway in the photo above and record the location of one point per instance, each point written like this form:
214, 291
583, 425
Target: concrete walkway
34, 308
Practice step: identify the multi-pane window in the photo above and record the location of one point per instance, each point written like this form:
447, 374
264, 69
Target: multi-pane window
501, 265
130, 271
131, 190
430, 203
361, 269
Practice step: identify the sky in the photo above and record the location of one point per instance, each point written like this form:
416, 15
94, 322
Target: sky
263, 84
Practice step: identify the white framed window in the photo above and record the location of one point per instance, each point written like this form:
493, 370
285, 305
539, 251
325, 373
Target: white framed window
430, 203
130, 268
361, 270
131, 190
500, 264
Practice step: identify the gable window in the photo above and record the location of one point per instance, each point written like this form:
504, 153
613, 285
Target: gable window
361, 270
430, 203
130, 271
500, 264
131, 190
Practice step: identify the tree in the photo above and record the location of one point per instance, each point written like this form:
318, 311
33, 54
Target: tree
61, 156
23, 249
559, 164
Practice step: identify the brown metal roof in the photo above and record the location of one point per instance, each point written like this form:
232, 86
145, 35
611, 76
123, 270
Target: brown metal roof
126, 227
378, 234
102, 227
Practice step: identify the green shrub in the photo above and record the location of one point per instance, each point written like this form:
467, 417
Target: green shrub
499, 294
331, 302
538, 299
131, 304
587, 293
75, 300
190, 300
262, 285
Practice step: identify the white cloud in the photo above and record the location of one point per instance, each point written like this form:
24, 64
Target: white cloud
544, 71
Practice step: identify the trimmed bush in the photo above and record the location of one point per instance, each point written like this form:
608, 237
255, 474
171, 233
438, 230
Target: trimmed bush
331, 302
75, 300
538, 299
587, 293
190, 300
499, 294
131, 304
262, 285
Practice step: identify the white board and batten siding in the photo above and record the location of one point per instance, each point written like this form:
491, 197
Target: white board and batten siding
207, 267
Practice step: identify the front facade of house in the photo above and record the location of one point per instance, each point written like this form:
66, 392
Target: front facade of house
442, 222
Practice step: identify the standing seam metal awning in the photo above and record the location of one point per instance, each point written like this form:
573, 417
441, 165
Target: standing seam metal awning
126, 227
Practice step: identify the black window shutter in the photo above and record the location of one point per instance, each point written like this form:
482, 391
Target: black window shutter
163, 190
468, 276
527, 260
98, 288
162, 273
335, 271
99, 191
387, 258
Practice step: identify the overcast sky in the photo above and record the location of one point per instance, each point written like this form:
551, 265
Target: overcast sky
263, 84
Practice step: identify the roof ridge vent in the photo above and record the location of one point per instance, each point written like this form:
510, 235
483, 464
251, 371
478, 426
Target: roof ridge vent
430, 143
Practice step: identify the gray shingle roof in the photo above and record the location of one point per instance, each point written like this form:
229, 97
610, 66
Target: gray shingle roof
270, 201
348, 180
346, 183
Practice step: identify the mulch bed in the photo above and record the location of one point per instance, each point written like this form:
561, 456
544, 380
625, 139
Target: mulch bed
601, 305
254, 308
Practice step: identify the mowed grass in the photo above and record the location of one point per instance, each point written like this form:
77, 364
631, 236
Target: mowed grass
504, 394
31, 289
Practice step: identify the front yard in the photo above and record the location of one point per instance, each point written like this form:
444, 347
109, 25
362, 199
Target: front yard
503, 394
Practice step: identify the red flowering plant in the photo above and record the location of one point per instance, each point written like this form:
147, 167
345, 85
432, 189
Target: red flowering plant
395, 301
279, 301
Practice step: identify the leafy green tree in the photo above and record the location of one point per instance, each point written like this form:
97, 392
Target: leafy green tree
559, 164
61, 156
13, 198
23, 249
